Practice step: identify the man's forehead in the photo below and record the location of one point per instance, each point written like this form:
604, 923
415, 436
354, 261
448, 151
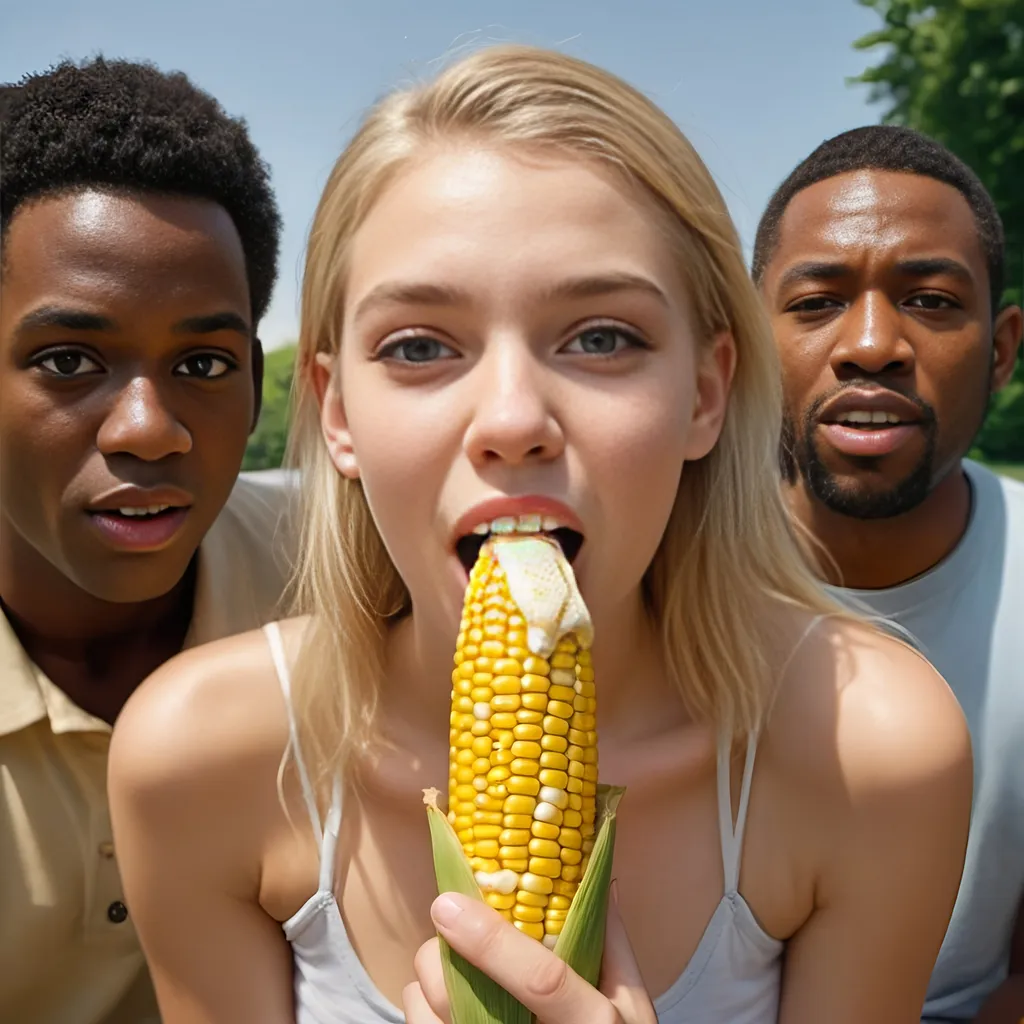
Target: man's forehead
877, 210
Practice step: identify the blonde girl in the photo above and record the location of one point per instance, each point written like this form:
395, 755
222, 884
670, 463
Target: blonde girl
523, 295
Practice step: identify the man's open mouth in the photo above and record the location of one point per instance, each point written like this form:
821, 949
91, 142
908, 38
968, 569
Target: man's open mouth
864, 419
468, 546
140, 513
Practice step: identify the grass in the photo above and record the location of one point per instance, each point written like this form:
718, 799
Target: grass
1016, 471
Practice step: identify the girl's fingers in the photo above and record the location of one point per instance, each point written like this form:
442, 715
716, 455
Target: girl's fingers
431, 979
416, 1008
523, 966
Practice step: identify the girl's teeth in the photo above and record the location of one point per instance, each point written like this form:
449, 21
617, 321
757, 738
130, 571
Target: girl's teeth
530, 522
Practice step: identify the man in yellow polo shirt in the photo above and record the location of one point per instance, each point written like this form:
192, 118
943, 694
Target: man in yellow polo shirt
140, 239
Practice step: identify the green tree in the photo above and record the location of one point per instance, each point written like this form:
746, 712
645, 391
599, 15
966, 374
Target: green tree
954, 69
267, 443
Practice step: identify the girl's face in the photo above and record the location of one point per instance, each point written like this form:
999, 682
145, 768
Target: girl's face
517, 340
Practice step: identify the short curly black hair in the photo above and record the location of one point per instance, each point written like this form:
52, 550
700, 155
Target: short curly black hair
886, 147
131, 128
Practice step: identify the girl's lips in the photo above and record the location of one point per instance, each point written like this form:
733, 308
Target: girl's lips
874, 442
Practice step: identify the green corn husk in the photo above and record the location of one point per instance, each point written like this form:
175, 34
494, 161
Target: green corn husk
474, 997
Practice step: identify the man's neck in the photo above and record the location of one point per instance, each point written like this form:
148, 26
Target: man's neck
873, 554
96, 651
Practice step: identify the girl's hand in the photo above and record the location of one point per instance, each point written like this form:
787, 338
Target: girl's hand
527, 970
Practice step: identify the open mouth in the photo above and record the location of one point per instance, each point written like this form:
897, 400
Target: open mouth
468, 546
141, 514
863, 419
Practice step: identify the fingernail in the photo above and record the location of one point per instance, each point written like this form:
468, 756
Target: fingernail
446, 909
615, 891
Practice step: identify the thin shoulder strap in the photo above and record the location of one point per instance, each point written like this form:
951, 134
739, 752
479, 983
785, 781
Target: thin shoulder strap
330, 841
273, 634
732, 836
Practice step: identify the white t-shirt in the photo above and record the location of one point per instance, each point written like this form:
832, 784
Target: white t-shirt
967, 616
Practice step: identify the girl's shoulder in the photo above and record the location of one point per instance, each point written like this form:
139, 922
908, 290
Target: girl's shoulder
865, 749
859, 697
213, 716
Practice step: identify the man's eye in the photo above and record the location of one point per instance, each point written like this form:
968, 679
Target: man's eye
416, 350
68, 363
929, 300
813, 304
205, 366
603, 341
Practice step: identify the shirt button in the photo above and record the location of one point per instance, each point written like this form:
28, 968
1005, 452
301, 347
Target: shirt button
117, 912
106, 850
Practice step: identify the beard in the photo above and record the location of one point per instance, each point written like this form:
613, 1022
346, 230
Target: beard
800, 458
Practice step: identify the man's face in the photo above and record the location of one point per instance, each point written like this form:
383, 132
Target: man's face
126, 392
879, 295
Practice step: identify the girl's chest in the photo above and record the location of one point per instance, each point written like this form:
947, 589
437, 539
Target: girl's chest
667, 867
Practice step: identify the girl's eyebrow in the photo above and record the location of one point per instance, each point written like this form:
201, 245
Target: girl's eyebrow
412, 293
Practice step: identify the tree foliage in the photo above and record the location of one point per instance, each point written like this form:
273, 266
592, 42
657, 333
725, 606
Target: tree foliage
954, 69
267, 443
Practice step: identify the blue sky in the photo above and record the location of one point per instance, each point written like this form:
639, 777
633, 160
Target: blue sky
755, 84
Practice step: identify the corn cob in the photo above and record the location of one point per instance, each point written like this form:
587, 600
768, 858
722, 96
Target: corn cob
523, 749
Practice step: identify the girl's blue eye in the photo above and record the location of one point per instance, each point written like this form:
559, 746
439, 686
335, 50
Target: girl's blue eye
603, 341
416, 350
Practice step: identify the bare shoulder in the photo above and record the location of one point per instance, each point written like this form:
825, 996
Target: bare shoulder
213, 714
868, 708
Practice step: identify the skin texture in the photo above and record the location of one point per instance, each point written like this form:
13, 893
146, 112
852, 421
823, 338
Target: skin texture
869, 318
143, 379
850, 851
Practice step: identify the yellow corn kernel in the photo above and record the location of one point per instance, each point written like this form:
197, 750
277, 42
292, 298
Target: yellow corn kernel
544, 830
506, 684
547, 848
549, 759
535, 684
548, 867
531, 899
524, 913
517, 821
534, 930
500, 900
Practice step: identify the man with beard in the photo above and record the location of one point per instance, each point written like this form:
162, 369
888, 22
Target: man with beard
880, 259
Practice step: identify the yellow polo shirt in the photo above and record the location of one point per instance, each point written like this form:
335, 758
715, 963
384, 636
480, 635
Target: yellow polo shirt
68, 949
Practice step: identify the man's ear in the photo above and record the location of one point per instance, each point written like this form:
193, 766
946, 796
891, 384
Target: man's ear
333, 422
1005, 345
257, 381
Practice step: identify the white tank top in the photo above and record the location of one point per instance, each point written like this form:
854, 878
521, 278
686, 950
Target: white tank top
733, 976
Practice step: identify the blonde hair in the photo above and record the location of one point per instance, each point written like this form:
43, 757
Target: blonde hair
729, 549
